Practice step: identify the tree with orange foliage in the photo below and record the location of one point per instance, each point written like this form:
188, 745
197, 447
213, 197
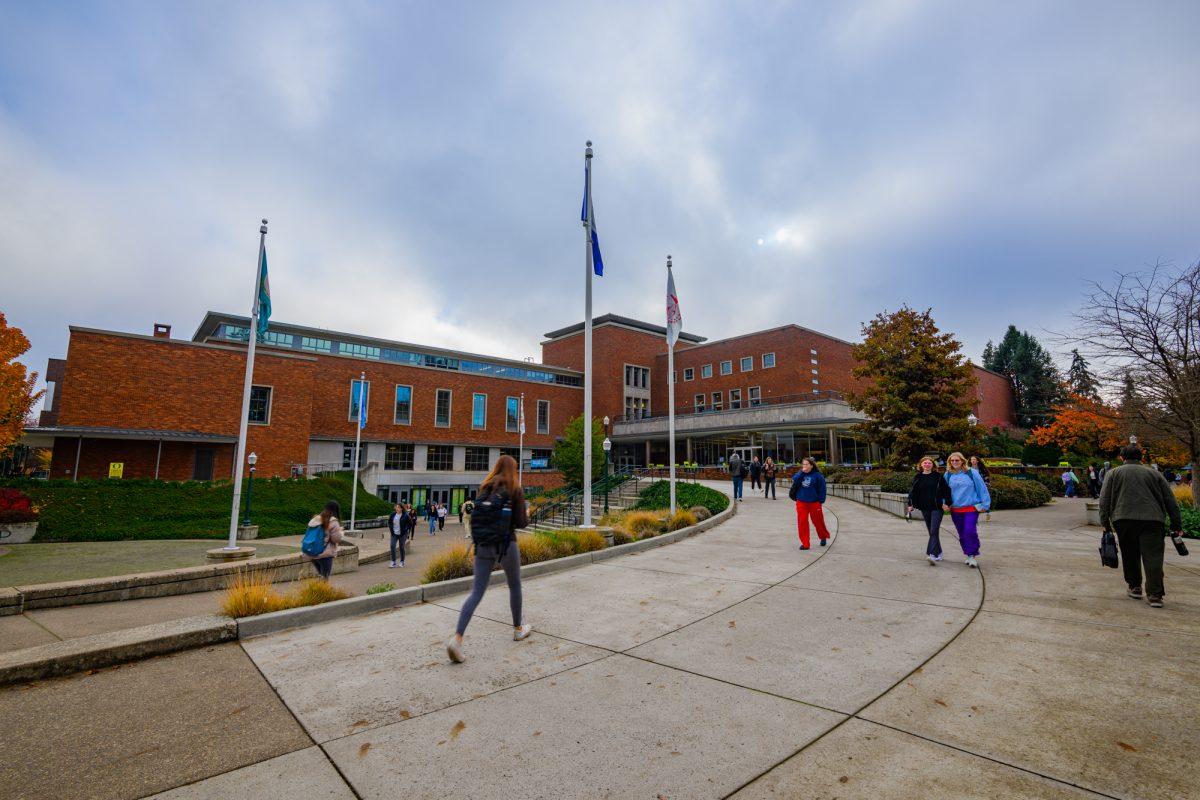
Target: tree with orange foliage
17, 394
1083, 425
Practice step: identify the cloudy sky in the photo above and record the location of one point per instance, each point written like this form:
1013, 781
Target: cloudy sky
421, 163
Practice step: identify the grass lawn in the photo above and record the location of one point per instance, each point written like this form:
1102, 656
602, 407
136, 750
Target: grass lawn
24, 564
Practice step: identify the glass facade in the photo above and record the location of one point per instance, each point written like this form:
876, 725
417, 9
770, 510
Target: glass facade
377, 353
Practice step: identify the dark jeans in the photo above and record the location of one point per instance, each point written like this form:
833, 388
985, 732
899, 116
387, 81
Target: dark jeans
769, 488
755, 483
324, 566
397, 541
933, 524
441, 523
1142, 544
737, 486
485, 560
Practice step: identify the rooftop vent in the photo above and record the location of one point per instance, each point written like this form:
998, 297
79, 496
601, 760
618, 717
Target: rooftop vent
162, 331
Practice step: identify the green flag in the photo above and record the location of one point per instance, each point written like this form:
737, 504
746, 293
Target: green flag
264, 295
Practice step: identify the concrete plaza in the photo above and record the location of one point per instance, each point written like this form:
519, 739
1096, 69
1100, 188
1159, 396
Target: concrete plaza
730, 664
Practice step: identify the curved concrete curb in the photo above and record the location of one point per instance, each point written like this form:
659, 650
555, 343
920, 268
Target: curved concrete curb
354, 606
107, 649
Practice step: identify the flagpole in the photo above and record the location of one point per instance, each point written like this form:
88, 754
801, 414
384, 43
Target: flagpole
671, 404
521, 441
358, 426
587, 350
238, 459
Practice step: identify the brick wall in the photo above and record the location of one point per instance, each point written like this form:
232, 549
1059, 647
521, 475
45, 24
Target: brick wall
177, 464
994, 400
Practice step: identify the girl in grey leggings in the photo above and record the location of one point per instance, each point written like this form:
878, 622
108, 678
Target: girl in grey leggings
502, 478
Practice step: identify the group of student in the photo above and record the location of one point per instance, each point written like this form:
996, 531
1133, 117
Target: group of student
961, 492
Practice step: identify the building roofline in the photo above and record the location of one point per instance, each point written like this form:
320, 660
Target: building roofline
208, 327
788, 326
105, 432
268, 350
619, 321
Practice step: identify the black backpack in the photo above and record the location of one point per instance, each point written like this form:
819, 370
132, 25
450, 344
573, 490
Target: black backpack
491, 521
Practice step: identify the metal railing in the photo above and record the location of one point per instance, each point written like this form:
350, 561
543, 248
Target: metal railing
744, 405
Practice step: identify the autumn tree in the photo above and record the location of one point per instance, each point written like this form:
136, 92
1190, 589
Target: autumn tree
1028, 366
17, 394
1083, 425
919, 386
1144, 329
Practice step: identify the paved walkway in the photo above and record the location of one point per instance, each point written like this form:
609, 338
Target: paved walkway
46, 625
727, 665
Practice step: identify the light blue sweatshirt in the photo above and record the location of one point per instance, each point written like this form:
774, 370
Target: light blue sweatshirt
968, 489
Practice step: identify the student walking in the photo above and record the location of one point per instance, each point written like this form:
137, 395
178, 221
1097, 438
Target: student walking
323, 528
1093, 481
768, 473
431, 514
499, 511
441, 515
1069, 482
968, 499
978, 465
1134, 501
808, 490
736, 471
399, 533
930, 494
755, 473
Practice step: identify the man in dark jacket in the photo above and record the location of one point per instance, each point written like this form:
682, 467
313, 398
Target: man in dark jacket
735, 472
1134, 501
755, 471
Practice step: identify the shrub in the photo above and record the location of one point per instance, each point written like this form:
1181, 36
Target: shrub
588, 541
1008, 493
15, 506
681, 519
1191, 521
658, 495
453, 562
251, 593
621, 536
534, 548
380, 588
700, 513
644, 523
313, 592
568, 542
899, 482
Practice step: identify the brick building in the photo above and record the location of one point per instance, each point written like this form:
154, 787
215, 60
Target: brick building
438, 419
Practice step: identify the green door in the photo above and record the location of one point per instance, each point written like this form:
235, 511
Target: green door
457, 496
418, 501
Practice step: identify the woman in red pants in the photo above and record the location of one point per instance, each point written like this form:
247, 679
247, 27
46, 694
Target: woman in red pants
808, 490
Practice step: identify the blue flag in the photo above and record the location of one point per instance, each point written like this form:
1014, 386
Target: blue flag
362, 404
589, 215
264, 295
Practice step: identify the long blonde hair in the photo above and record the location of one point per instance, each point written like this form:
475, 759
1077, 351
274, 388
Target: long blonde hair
503, 476
950, 460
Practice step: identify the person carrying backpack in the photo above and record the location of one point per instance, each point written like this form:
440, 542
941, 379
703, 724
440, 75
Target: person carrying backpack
808, 490
737, 471
499, 511
321, 540
969, 498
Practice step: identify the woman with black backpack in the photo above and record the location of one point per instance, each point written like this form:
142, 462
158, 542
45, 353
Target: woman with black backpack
499, 511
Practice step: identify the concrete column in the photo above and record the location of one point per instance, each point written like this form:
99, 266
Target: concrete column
647, 452
688, 445
420, 458
834, 456
459, 463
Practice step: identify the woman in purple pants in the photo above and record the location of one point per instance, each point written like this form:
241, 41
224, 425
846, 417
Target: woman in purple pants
968, 499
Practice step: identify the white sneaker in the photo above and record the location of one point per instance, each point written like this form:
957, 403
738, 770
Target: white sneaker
454, 650
971, 561
392, 565
937, 558
402, 563
932, 560
522, 632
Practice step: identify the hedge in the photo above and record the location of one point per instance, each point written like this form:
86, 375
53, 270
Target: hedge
1191, 521
658, 495
1010, 493
109, 510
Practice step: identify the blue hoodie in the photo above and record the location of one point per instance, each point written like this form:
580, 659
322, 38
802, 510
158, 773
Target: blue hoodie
968, 489
809, 486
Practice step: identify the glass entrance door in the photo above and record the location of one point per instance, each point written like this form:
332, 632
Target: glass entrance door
419, 499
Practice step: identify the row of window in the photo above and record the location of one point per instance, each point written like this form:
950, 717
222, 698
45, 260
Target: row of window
334, 347
438, 457
637, 377
442, 408
745, 364
753, 398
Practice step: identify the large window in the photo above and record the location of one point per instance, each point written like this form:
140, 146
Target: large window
358, 387
699, 401
441, 413
637, 377
706, 371
735, 398
316, 345
637, 407
479, 411
746, 364
512, 414
755, 396
726, 367
539, 458
260, 405
768, 360
512, 452
477, 459
398, 456
440, 457
689, 374
718, 401
348, 455
543, 416
403, 413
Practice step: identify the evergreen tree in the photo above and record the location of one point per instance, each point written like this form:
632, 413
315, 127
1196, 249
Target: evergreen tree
568, 451
1036, 383
1081, 380
919, 387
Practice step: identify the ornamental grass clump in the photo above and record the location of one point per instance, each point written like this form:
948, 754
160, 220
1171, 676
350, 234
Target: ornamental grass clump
681, 519
620, 535
453, 562
252, 593
642, 524
534, 548
1183, 494
700, 513
314, 592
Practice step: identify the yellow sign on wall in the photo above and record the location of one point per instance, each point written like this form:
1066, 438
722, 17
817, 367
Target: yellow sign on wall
116, 469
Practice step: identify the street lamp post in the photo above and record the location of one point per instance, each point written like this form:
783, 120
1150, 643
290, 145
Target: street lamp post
251, 459
607, 447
